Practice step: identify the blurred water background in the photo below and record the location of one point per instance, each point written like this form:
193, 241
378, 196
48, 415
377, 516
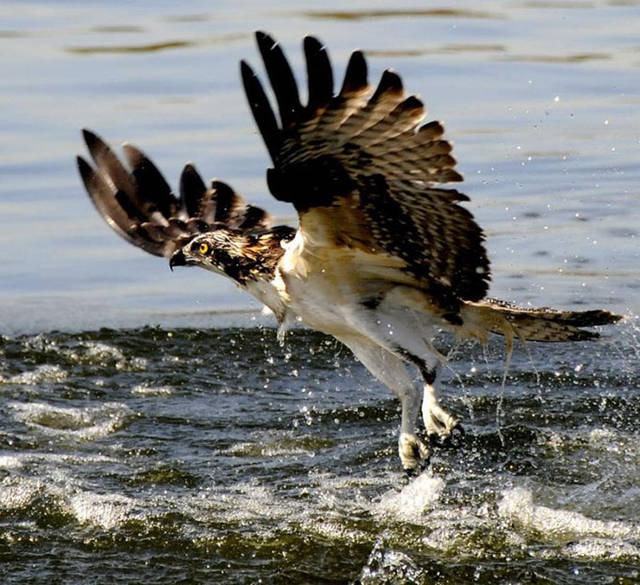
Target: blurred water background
152, 429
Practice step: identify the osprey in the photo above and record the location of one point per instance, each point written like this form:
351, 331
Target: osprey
383, 257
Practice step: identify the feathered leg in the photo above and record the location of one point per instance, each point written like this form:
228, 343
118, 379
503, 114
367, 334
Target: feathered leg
392, 372
406, 334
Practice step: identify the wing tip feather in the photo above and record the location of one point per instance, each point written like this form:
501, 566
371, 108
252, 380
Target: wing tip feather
88, 134
245, 69
310, 43
95, 144
355, 77
83, 165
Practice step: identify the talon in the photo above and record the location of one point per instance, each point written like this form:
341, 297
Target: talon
414, 454
459, 429
454, 439
411, 473
439, 423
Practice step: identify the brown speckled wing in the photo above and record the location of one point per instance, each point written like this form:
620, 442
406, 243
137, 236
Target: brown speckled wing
361, 172
139, 205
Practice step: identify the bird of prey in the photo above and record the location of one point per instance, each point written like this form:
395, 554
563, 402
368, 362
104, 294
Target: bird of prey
383, 256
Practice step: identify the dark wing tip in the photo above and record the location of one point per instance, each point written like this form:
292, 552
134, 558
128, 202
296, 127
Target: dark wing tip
412, 103
88, 135
432, 130
82, 163
390, 82
93, 141
319, 74
594, 317
281, 77
451, 176
86, 172
251, 82
265, 41
219, 185
311, 43
245, 69
96, 145
192, 189
260, 108
355, 77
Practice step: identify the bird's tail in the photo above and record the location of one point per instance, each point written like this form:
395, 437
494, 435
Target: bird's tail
492, 316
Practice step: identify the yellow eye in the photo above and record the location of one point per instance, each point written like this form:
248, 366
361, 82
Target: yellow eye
203, 248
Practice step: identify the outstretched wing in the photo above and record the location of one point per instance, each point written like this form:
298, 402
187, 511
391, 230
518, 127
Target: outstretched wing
140, 206
362, 174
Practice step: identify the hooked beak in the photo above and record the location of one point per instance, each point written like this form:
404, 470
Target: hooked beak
178, 259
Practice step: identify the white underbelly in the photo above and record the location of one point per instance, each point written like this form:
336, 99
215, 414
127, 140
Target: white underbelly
344, 296
323, 307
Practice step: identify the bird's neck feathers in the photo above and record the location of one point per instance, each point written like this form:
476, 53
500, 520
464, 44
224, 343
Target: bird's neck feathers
253, 257
253, 266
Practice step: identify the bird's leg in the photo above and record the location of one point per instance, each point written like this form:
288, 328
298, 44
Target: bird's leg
414, 454
438, 422
391, 371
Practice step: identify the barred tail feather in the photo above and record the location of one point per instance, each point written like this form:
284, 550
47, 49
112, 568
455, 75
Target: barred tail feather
543, 324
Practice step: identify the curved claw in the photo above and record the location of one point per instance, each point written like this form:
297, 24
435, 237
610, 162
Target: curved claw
453, 440
414, 454
410, 474
437, 421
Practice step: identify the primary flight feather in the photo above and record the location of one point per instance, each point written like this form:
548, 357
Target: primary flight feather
383, 256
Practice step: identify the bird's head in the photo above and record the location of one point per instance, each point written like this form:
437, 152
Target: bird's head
220, 251
238, 255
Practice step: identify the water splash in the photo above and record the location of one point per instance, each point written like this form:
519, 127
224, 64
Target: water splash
81, 422
556, 525
412, 501
390, 567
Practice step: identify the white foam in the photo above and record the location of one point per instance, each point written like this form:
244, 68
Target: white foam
9, 462
247, 449
15, 494
106, 511
412, 500
43, 373
517, 506
145, 389
335, 530
602, 550
102, 351
390, 566
82, 422
95, 352
598, 437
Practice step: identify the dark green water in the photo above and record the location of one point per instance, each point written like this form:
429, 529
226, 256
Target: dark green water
185, 456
